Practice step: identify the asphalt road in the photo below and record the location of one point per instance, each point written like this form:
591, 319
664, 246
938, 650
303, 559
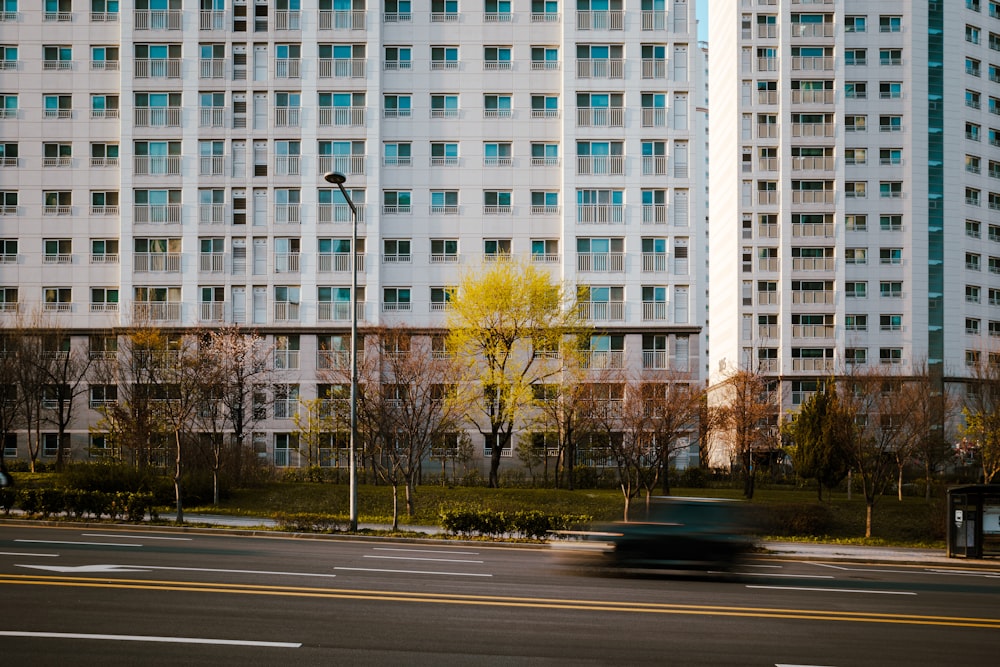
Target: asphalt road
105, 596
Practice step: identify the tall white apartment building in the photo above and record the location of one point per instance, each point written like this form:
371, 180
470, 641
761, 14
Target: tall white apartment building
163, 159
855, 209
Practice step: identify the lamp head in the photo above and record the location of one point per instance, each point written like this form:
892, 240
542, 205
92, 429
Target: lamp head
335, 177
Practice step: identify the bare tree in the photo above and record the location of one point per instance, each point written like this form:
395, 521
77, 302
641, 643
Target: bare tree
67, 368
675, 407
32, 378
744, 419
10, 409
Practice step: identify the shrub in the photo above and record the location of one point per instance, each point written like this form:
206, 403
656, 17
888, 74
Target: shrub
308, 522
532, 524
694, 478
795, 519
8, 497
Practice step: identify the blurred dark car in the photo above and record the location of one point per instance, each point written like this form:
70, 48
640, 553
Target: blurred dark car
678, 534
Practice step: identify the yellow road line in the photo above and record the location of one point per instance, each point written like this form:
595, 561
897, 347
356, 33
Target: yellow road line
501, 601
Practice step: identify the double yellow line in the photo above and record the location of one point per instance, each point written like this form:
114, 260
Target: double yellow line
501, 601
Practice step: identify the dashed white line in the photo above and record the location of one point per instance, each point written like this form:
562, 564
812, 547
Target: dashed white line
832, 590
436, 560
150, 638
425, 551
21, 553
141, 537
90, 544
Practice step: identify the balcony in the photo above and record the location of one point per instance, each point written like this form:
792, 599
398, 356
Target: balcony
812, 30
606, 214
339, 213
342, 20
812, 296
339, 311
170, 19
342, 116
601, 310
654, 117
604, 359
340, 262
812, 331
812, 64
813, 196
286, 311
287, 214
600, 165
812, 97
212, 20
600, 20
156, 311
158, 116
810, 364
351, 165
813, 129
654, 311
654, 68
813, 229
767, 97
212, 311
654, 262
211, 214
286, 262
812, 264
654, 214
157, 68
353, 68
212, 68
156, 214
212, 262
813, 163
287, 20
600, 68
653, 19
156, 262
603, 262
212, 117
157, 165
600, 117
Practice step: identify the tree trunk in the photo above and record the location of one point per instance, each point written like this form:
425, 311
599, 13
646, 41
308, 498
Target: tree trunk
899, 484
927, 480
869, 507
627, 503
498, 446
409, 498
748, 476
395, 507
177, 477
819, 491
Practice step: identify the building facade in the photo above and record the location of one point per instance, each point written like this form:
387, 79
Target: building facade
163, 163
855, 210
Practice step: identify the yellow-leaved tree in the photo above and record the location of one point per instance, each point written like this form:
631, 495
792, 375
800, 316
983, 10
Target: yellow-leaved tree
505, 323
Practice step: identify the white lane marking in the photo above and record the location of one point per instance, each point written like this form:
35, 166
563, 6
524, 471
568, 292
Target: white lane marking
785, 664
435, 560
99, 544
776, 567
425, 551
140, 537
149, 638
148, 568
786, 576
449, 574
832, 590
21, 553
986, 574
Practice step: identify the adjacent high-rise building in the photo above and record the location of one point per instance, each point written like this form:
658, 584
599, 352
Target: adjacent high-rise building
855, 188
162, 162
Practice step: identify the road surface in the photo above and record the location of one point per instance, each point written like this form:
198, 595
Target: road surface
109, 596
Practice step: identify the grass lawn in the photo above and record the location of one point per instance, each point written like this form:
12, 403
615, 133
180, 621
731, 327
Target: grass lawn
796, 513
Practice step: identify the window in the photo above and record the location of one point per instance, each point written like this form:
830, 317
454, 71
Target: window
972, 34
994, 137
497, 106
890, 23
890, 355
892, 289
441, 297
343, 109
396, 11
445, 57
497, 11
395, 250
993, 327
856, 90
994, 169
972, 229
973, 67
856, 189
890, 223
855, 123
444, 154
544, 106
993, 200
57, 154
972, 326
444, 250
103, 202
855, 23
496, 58
8, 104
890, 256
444, 11
994, 296
104, 58
103, 299
994, 41
8, 202
158, 109
856, 255
444, 201
57, 106
972, 294
890, 90
890, 189
398, 57
494, 249
544, 57
600, 157
496, 202
544, 154
395, 201
972, 99
855, 355
57, 57
497, 154
396, 154
397, 106
994, 233
890, 123
58, 299
8, 251
972, 131
57, 202
8, 299
544, 202
856, 322
856, 223
395, 299
855, 57
856, 289
972, 196
890, 57
855, 156
444, 106
8, 57
102, 395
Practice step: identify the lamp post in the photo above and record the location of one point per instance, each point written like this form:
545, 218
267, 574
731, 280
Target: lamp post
339, 179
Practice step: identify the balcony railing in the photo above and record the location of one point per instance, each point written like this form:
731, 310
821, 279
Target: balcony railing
342, 116
600, 68
156, 262
600, 165
340, 213
601, 310
600, 214
354, 68
604, 359
816, 229
600, 117
287, 214
286, 165
286, 311
654, 262
813, 196
212, 117
286, 262
812, 263
813, 129
212, 20
654, 311
342, 20
813, 163
157, 311
655, 359
212, 262
157, 165
211, 214
157, 214
654, 214
654, 165
654, 68
158, 116
212, 68
812, 331
810, 364
812, 30
159, 19
339, 311
157, 68
212, 311
352, 165
812, 63
287, 68
338, 262
600, 20
287, 20
812, 97
211, 165
654, 19
611, 262
812, 296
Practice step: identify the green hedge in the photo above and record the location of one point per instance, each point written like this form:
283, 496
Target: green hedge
78, 504
309, 522
530, 524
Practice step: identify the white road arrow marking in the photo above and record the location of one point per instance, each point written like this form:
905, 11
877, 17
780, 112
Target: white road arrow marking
83, 568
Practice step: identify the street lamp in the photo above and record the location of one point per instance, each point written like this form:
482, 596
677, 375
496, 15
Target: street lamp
339, 179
